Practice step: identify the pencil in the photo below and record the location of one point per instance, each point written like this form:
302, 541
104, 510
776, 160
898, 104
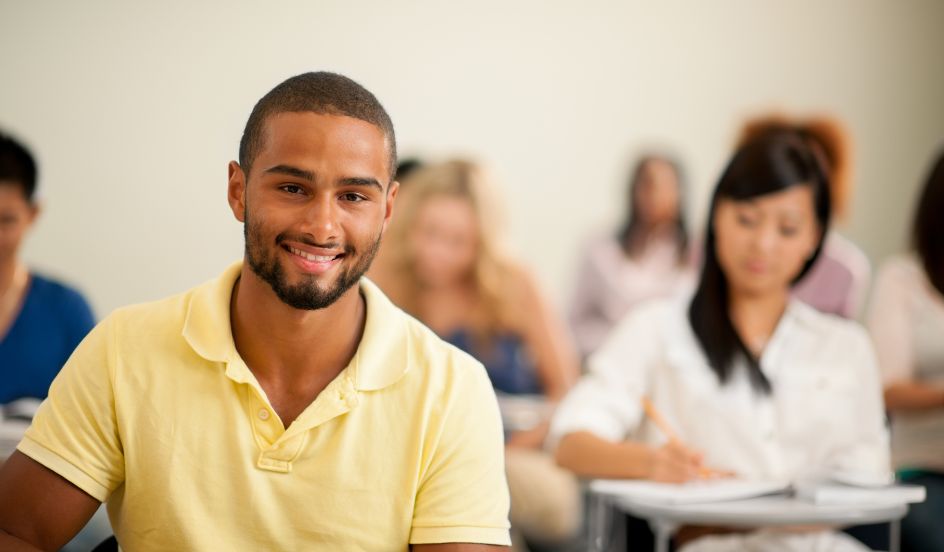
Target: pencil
660, 421
663, 425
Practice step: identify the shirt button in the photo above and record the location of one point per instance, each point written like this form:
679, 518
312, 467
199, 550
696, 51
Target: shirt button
263, 414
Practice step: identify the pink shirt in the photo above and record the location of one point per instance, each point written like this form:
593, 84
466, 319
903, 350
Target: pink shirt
838, 281
609, 284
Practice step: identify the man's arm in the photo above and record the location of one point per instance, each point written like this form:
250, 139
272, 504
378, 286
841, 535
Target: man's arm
40, 510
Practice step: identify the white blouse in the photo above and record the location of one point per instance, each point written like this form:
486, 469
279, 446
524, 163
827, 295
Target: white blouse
825, 412
906, 319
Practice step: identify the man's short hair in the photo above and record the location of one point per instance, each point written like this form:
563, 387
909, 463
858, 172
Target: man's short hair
321, 92
17, 166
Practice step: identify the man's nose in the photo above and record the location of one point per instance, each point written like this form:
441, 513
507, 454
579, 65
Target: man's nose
321, 219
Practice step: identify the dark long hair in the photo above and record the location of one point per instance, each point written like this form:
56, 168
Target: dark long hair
927, 235
830, 134
768, 164
632, 225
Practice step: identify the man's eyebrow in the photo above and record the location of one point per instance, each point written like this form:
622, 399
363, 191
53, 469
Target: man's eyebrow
310, 176
291, 171
361, 181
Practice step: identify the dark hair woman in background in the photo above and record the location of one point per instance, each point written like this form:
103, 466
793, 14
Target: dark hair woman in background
646, 259
838, 282
755, 383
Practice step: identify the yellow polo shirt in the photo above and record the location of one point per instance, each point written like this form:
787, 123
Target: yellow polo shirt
157, 415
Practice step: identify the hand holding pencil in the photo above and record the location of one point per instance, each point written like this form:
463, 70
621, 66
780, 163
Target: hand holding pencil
674, 462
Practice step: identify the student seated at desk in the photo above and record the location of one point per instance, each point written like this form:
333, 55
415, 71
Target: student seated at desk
41, 320
447, 268
648, 258
907, 323
755, 383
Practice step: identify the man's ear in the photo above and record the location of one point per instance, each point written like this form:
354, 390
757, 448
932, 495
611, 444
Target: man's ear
236, 191
392, 191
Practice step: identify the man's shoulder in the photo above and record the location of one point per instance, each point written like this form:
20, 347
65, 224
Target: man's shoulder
431, 362
150, 316
431, 353
161, 323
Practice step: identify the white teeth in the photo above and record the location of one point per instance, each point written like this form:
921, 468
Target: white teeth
312, 258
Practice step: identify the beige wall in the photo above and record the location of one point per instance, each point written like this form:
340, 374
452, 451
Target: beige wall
135, 111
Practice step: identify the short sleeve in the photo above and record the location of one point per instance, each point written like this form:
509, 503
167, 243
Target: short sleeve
74, 432
607, 400
463, 495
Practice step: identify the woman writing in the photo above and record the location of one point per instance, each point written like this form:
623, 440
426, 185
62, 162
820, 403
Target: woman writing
754, 383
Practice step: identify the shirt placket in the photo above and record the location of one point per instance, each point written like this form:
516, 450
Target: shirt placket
279, 447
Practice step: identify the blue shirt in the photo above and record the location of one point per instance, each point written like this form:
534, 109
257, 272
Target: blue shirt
53, 320
507, 362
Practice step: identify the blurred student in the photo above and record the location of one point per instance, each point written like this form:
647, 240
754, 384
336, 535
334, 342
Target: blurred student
647, 258
41, 320
838, 282
408, 166
754, 383
906, 319
449, 270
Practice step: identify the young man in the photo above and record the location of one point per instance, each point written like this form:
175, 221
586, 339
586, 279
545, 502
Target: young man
41, 319
287, 405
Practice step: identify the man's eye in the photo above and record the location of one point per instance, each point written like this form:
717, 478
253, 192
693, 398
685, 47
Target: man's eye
353, 197
292, 189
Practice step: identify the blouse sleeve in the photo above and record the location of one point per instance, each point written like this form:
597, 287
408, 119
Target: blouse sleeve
866, 448
606, 401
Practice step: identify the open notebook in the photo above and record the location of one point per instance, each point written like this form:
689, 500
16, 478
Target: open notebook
694, 492
824, 492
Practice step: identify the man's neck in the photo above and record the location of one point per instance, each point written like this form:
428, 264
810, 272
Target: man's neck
288, 348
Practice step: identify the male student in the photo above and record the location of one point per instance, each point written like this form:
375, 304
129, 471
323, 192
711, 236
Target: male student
286, 405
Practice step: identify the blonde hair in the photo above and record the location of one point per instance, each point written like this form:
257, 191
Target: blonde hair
492, 267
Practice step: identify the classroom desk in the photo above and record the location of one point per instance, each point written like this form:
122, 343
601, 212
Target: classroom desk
766, 511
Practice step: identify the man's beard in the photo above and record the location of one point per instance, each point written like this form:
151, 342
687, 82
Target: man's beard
307, 294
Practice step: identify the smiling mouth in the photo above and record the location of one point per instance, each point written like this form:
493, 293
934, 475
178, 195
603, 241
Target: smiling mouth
311, 257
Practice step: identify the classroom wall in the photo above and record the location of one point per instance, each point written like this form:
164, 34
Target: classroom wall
135, 108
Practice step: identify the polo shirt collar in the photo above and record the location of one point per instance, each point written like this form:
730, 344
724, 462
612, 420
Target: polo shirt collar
207, 326
382, 357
